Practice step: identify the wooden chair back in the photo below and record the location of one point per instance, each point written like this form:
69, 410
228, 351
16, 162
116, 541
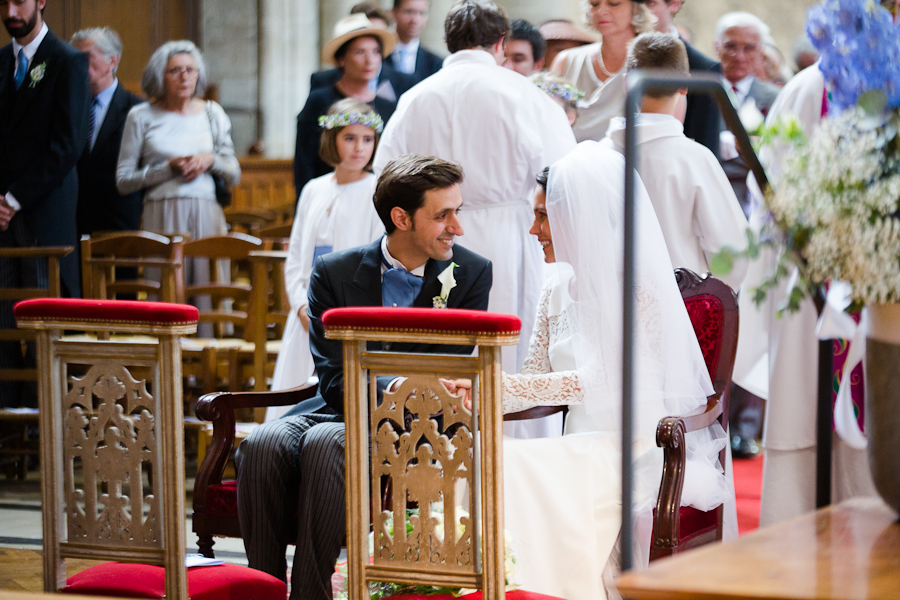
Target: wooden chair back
276, 237
250, 220
269, 312
425, 461
713, 310
231, 248
158, 262
111, 411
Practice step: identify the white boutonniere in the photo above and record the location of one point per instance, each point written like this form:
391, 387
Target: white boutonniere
449, 282
37, 73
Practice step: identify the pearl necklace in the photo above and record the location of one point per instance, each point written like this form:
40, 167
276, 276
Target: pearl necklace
603, 69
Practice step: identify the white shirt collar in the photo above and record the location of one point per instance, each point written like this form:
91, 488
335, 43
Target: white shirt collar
743, 88
396, 264
105, 97
31, 48
470, 56
412, 46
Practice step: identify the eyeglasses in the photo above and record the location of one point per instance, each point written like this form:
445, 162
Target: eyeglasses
733, 49
178, 71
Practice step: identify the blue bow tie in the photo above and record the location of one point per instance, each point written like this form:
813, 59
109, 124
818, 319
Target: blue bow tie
399, 287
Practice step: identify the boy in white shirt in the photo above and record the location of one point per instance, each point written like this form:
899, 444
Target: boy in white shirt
696, 206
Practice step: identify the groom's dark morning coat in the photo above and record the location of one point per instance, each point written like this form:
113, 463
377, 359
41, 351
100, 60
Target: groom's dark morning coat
353, 278
43, 131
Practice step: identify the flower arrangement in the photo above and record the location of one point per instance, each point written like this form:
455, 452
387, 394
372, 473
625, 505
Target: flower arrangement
835, 205
344, 119
563, 91
378, 590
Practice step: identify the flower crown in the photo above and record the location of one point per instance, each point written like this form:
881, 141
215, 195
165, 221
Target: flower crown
344, 119
563, 91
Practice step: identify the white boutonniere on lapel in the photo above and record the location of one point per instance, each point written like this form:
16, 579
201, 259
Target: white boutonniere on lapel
448, 283
37, 73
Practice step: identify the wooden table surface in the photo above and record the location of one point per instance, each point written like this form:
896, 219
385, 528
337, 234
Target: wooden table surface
845, 552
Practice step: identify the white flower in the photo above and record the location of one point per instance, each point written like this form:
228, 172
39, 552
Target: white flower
37, 73
449, 282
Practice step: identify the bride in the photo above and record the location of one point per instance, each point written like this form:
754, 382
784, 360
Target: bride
563, 495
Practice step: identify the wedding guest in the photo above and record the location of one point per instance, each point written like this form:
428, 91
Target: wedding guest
702, 121
562, 34
357, 49
335, 212
560, 90
598, 69
501, 128
805, 54
524, 48
409, 56
696, 207
290, 471
575, 357
171, 148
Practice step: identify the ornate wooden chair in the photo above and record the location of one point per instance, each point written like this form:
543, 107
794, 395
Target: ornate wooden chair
112, 411
713, 310
424, 457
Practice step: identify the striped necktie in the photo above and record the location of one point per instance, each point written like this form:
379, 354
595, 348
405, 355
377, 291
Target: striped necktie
21, 67
92, 123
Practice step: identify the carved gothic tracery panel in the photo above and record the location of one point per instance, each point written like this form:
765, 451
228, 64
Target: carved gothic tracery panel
424, 448
110, 435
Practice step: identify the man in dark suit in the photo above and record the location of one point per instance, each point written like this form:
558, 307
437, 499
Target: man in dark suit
100, 206
291, 471
409, 56
702, 121
44, 99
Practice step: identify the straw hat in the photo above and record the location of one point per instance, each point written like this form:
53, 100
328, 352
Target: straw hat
561, 29
355, 26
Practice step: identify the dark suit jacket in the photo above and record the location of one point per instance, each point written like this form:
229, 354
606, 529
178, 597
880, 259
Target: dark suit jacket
400, 82
702, 121
43, 128
307, 163
427, 63
353, 278
100, 206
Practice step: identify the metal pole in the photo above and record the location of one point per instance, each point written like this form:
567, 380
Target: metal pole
640, 82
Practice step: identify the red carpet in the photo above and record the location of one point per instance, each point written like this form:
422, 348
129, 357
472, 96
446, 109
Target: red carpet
748, 491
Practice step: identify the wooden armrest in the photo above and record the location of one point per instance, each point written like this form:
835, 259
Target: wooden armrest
536, 412
219, 408
670, 436
36, 251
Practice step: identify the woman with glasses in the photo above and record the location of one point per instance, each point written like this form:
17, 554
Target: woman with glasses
172, 146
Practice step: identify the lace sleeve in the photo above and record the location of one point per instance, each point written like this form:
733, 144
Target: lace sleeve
536, 384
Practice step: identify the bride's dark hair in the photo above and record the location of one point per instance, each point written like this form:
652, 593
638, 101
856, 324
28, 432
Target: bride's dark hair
541, 178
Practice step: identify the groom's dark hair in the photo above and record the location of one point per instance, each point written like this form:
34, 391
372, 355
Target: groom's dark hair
405, 180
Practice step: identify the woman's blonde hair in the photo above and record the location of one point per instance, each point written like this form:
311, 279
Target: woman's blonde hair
328, 142
642, 20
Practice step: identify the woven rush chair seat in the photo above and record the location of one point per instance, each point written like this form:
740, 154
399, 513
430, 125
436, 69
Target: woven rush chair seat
111, 411
402, 444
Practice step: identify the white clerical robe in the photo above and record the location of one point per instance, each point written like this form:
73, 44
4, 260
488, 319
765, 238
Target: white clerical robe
696, 206
503, 130
778, 358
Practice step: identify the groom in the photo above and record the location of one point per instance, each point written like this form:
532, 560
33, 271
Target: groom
291, 471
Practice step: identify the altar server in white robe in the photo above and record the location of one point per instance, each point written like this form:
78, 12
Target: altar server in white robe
694, 202
502, 130
777, 358
335, 212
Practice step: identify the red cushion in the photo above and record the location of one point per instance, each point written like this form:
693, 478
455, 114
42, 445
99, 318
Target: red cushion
708, 318
515, 595
693, 522
221, 499
422, 320
221, 582
126, 312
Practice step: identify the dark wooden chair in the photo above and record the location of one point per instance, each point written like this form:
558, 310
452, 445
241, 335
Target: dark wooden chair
713, 310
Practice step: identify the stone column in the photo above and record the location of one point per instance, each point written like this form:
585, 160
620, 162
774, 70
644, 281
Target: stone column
289, 52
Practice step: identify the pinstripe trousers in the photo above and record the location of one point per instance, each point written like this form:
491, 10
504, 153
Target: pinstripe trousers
290, 485
18, 272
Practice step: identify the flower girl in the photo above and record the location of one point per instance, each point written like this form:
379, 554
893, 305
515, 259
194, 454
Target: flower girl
335, 212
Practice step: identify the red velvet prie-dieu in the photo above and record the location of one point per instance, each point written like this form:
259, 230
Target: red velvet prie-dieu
111, 311
447, 320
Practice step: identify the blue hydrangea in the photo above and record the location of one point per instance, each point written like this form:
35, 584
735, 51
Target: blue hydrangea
860, 48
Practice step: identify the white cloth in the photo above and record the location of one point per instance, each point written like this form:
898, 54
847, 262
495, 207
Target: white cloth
602, 100
503, 130
778, 358
694, 202
350, 208
573, 482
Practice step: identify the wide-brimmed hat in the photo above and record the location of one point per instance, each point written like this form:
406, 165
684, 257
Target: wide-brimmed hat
561, 29
354, 26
